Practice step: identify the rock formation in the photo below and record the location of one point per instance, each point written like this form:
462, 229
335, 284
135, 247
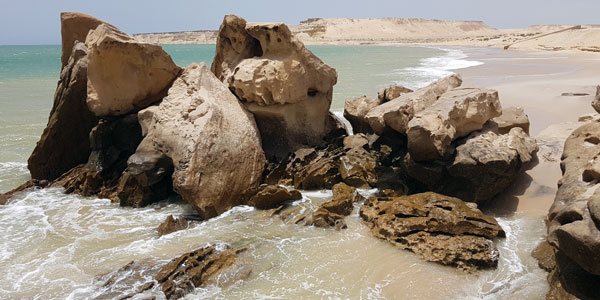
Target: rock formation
392, 92
355, 110
455, 114
285, 86
64, 143
332, 213
396, 114
210, 138
125, 75
271, 196
171, 225
75, 26
441, 229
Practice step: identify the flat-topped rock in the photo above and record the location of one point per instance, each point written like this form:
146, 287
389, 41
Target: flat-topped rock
511, 117
285, 86
396, 113
455, 114
125, 75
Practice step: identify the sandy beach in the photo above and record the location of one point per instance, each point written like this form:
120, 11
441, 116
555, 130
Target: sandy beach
541, 83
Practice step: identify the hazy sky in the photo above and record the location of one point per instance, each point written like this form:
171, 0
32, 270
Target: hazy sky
25, 22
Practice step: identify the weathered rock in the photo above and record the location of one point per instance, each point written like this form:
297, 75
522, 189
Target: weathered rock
332, 213
355, 110
64, 143
125, 75
511, 117
197, 268
455, 114
30, 184
572, 226
357, 168
596, 101
146, 180
171, 225
75, 26
438, 228
397, 113
544, 253
271, 196
392, 92
485, 164
285, 86
211, 139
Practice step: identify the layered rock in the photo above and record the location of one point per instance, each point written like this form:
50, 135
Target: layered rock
355, 110
441, 229
64, 143
211, 139
456, 114
484, 165
125, 75
395, 114
392, 92
332, 213
285, 86
30, 184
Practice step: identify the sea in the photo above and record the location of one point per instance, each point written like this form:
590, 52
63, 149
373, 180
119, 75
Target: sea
59, 246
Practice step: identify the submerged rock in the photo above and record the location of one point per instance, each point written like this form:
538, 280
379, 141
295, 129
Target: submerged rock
396, 113
171, 225
125, 75
64, 143
285, 86
211, 139
33, 183
456, 114
596, 101
441, 229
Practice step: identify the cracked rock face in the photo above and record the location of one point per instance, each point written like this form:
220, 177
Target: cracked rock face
438, 228
285, 86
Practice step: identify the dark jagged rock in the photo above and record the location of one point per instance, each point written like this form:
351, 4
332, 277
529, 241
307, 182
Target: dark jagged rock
64, 143
30, 184
146, 180
171, 225
271, 196
438, 228
332, 213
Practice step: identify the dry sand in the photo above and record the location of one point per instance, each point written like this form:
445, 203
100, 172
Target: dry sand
536, 80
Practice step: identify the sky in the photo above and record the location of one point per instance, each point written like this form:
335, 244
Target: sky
31, 22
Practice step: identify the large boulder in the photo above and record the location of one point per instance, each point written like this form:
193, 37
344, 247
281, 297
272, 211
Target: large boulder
75, 26
64, 143
456, 114
574, 218
396, 113
511, 117
285, 86
355, 110
125, 75
441, 229
485, 164
209, 136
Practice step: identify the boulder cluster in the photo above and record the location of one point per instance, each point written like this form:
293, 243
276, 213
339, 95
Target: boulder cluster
129, 125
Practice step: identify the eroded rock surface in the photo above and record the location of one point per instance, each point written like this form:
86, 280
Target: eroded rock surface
211, 139
285, 86
441, 229
355, 110
392, 92
456, 114
396, 114
125, 75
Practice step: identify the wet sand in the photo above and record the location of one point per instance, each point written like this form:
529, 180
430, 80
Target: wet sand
536, 80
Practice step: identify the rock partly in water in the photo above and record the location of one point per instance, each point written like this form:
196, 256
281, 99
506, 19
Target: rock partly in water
272, 196
392, 92
285, 86
33, 183
511, 117
147, 179
64, 143
441, 229
355, 110
332, 213
210, 138
456, 114
125, 75
171, 225
485, 164
396, 113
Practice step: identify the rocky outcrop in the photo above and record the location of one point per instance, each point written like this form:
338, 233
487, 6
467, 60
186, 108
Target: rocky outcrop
75, 26
171, 225
271, 196
395, 114
64, 143
211, 139
355, 110
125, 75
484, 165
285, 86
392, 92
511, 117
456, 114
596, 101
332, 213
33, 183
438, 228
